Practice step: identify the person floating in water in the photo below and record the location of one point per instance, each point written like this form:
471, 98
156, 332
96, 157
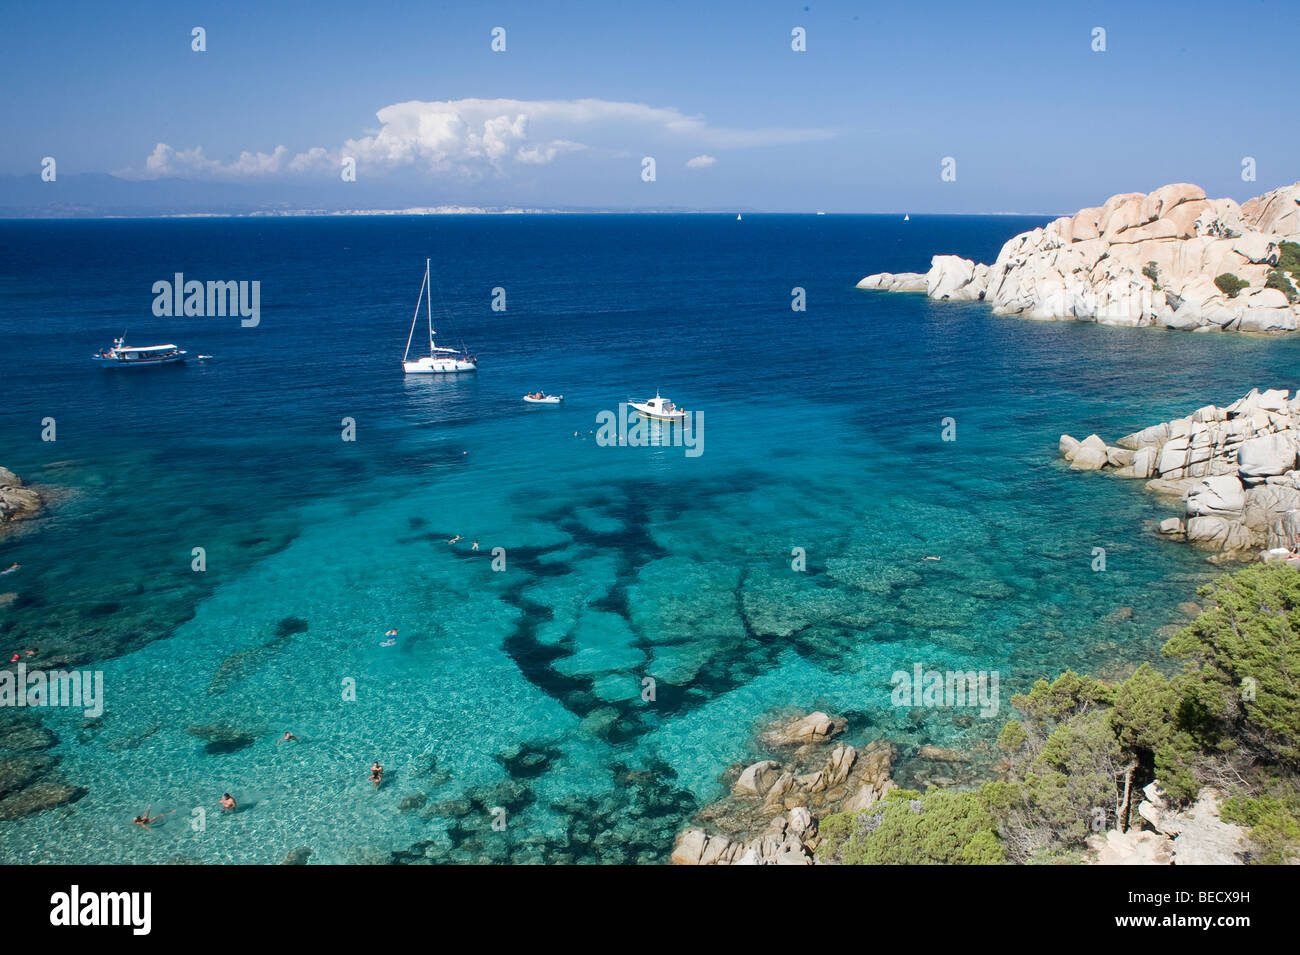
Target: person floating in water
227, 802
455, 539
287, 738
145, 820
376, 774
475, 547
932, 558
390, 633
11, 568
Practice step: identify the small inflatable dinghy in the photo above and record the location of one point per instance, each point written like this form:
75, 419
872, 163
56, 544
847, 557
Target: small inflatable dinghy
542, 398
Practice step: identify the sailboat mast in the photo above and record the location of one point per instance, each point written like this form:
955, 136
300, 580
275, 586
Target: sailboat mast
428, 281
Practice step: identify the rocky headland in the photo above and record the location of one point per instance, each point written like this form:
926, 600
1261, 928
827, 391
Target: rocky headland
1234, 467
1171, 258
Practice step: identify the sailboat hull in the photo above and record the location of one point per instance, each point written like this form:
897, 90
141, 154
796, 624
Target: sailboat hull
438, 366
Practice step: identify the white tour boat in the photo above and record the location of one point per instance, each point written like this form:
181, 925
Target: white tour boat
123, 354
542, 398
440, 360
659, 409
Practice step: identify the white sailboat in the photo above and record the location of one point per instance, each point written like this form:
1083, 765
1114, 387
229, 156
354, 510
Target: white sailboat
906, 217
440, 360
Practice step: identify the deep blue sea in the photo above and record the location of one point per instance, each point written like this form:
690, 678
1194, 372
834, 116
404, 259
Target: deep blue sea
522, 689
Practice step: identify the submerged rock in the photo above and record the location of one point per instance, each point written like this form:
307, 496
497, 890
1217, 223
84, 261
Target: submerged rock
17, 772
222, 738
45, 794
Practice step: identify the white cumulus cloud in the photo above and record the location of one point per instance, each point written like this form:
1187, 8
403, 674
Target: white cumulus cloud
480, 137
701, 162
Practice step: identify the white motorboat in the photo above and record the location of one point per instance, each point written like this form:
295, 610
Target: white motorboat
659, 409
440, 360
542, 398
137, 355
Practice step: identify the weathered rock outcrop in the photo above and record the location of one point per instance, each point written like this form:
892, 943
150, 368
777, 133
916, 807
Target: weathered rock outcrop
1235, 467
770, 816
16, 500
1195, 836
1135, 260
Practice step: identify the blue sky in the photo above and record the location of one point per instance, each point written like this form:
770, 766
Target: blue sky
860, 122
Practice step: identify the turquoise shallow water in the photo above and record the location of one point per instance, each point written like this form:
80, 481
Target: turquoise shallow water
521, 689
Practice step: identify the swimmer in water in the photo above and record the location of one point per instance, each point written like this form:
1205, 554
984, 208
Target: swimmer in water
11, 568
287, 738
227, 802
932, 558
391, 641
455, 539
475, 547
376, 773
145, 820
390, 633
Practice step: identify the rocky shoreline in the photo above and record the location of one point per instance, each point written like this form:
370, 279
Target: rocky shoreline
773, 811
1234, 467
771, 814
1157, 259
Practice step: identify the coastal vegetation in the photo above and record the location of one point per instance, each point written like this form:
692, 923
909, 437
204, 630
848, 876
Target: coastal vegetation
1289, 258
1287, 274
1277, 279
1081, 750
1229, 284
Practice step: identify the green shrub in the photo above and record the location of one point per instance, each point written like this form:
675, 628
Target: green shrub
1277, 279
1289, 258
1152, 271
940, 828
1274, 825
1242, 658
1230, 285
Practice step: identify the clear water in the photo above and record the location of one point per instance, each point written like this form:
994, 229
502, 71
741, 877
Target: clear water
521, 689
